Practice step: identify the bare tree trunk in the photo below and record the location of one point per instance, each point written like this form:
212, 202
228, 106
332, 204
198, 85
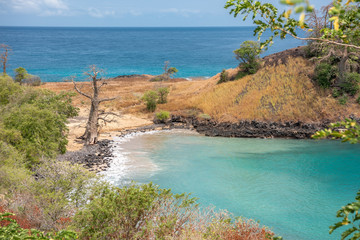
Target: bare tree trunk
4, 56
91, 134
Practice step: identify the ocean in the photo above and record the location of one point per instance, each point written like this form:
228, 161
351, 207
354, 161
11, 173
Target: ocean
293, 186
58, 53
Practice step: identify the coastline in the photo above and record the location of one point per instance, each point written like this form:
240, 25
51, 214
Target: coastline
98, 157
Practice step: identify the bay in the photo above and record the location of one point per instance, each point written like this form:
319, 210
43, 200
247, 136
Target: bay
293, 186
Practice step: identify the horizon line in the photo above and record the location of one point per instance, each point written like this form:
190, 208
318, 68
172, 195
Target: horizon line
130, 26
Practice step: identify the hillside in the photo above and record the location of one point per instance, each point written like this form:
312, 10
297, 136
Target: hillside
278, 92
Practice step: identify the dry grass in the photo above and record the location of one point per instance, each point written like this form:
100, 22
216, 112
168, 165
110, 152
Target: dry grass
276, 93
281, 93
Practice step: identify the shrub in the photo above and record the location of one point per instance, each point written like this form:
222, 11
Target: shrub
358, 100
224, 77
351, 84
205, 116
163, 116
150, 97
23, 77
10, 229
7, 89
21, 74
343, 100
134, 212
324, 74
248, 55
32, 80
336, 93
163, 93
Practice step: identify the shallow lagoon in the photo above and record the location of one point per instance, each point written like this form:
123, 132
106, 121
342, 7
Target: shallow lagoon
294, 186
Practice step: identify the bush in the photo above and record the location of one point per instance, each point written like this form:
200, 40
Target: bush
163, 116
248, 55
358, 100
23, 77
10, 229
351, 84
163, 93
324, 74
343, 100
7, 89
134, 212
224, 77
336, 93
150, 97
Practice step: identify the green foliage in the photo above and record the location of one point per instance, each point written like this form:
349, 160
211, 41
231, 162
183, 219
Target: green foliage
150, 97
163, 116
204, 116
134, 212
348, 131
163, 92
33, 120
172, 70
42, 131
23, 77
12, 231
345, 16
358, 100
324, 74
336, 93
7, 89
344, 99
248, 55
61, 189
21, 74
224, 77
351, 84
350, 217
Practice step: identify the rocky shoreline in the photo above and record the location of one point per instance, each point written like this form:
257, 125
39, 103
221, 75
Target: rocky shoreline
251, 129
97, 157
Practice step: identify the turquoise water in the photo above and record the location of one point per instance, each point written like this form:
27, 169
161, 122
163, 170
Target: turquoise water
55, 53
294, 186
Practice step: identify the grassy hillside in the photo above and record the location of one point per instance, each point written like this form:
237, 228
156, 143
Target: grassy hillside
281, 92
278, 93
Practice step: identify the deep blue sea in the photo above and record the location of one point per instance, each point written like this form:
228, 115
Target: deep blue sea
58, 53
293, 186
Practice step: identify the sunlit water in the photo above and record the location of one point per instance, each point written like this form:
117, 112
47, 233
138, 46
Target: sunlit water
57, 53
294, 186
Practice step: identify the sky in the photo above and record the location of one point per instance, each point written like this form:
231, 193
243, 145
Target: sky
121, 13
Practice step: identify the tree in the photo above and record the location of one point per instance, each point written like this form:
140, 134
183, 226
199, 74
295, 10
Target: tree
248, 55
21, 74
342, 35
4, 56
162, 92
91, 134
150, 97
169, 71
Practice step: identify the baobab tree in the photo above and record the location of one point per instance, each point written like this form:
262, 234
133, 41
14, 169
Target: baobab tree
4, 56
97, 82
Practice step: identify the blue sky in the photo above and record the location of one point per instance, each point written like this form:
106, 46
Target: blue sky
120, 13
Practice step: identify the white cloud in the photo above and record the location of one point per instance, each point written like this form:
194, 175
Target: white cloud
183, 12
135, 13
40, 7
97, 13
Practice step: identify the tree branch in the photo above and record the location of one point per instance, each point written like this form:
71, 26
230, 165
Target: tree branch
80, 92
106, 99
